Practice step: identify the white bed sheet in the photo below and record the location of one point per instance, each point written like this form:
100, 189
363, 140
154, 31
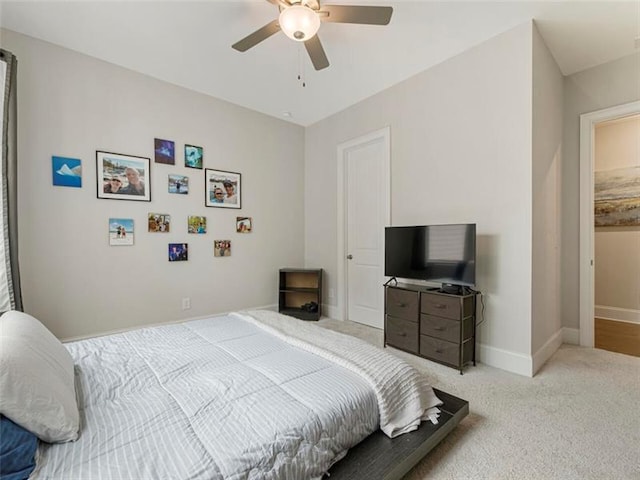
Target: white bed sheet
209, 399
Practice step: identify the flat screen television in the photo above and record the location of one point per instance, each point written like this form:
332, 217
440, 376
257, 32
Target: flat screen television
444, 254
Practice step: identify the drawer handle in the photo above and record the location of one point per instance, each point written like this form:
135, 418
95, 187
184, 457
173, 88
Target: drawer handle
439, 305
402, 334
438, 351
402, 305
438, 328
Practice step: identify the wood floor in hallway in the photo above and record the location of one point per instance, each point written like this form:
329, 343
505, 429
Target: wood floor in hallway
621, 337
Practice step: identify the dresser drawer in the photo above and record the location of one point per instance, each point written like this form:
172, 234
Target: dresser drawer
440, 327
440, 350
440, 305
401, 333
402, 303
446, 328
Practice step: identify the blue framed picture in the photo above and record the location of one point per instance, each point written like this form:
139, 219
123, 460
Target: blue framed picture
67, 172
193, 156
165, 151
178, 252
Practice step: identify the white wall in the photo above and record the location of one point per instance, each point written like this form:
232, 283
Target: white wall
547, 158
72, 105
614, 83
461, 152
617, 249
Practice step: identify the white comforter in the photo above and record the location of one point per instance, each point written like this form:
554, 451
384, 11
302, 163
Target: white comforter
225, 397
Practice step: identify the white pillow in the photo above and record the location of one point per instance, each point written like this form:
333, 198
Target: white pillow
37, 388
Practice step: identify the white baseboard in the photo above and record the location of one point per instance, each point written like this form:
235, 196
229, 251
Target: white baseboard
505, 360
549, 348
617, 314
571, 336
158, 324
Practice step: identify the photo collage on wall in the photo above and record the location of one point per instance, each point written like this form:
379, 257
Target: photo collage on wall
128, 177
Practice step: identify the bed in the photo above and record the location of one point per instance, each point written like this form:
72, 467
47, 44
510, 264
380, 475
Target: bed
245, 395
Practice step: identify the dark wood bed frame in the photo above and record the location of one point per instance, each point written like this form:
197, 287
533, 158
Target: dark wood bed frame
380, 457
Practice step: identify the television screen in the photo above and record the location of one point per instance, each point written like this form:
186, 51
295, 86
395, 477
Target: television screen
436, 253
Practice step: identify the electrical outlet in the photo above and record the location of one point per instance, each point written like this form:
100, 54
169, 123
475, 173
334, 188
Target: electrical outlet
186, 303
331, 293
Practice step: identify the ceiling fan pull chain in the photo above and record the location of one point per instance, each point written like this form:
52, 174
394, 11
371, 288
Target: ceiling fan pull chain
301, 72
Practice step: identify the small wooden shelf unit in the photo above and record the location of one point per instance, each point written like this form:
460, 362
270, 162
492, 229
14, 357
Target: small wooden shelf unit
435, 325
297, 287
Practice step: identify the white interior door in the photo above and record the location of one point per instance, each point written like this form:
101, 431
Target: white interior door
366, 164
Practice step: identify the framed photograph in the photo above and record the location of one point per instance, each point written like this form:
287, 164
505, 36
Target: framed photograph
243, 224
120, 231
222, 189
178, 184
165, 151
123, 177
197, 224
159, 222
67, 172
222, 248
193, 156
178, 252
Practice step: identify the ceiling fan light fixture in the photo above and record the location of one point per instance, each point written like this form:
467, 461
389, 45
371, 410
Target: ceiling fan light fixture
299, 23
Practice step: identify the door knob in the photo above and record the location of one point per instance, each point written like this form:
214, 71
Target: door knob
349, 257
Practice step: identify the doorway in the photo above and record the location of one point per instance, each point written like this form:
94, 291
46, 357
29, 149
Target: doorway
364, 209
588, 323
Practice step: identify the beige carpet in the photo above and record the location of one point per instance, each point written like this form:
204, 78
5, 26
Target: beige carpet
578, 418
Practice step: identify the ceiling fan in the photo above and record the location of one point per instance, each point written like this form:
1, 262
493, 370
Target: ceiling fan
301, 19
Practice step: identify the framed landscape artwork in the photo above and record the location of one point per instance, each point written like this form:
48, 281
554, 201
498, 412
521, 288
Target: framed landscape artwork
222, 189
123, 177
617, 197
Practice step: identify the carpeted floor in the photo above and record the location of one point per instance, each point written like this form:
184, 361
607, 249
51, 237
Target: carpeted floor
578, 418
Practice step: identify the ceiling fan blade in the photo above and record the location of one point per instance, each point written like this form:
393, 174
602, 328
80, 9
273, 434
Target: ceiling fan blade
256, 37
316, 53
356, 14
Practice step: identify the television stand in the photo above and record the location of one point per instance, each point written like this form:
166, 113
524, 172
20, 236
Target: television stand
434, 325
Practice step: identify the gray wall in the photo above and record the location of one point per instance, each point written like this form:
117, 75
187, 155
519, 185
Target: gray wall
72, 105
614, 83
460, 152
547, 159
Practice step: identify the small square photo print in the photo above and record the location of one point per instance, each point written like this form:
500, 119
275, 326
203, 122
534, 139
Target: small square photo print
178, 252
193, 156
67, 172
222, 248
159, 222
120, 231
165, 151
178, 184
243, 224
197, 224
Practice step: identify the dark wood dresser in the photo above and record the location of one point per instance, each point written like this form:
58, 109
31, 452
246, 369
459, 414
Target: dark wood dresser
434, 325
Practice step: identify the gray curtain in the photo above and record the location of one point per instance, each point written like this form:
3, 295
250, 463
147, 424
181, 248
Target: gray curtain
9, 271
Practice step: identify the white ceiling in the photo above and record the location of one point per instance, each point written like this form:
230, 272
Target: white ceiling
189, 44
